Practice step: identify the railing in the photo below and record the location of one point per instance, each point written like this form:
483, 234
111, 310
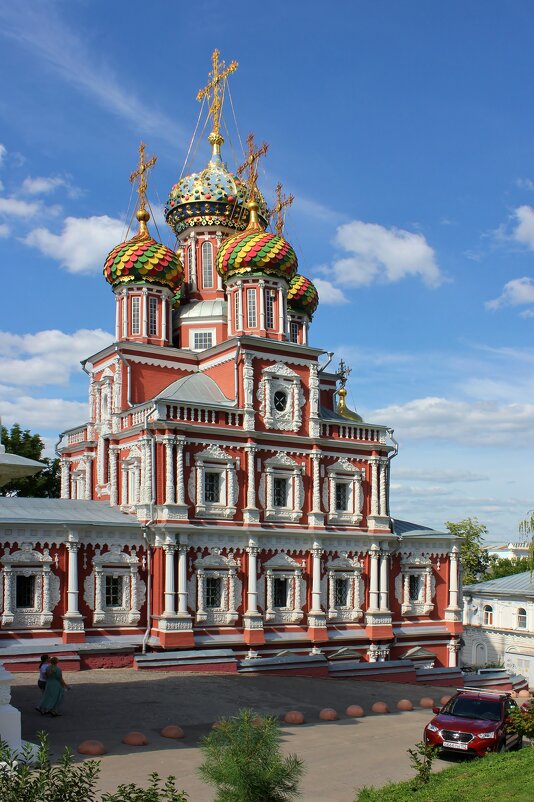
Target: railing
344, 431
79, 435
194, 414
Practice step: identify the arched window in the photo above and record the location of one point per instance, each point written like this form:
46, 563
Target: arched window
207, 265
488, 615
521, 618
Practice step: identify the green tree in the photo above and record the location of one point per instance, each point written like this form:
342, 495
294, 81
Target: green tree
474, 558
505, 566
46, 483
243, 760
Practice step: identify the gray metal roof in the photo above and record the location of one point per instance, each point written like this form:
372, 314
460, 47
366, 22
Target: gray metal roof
403, 527
195, 388
12, 466
62, 511
516, 584
204, 309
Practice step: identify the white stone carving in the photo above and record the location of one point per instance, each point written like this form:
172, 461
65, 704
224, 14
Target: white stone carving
217, 566
280, 377
416, 566
29, 563
115, 563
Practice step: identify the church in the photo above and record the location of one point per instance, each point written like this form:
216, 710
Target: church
222, 505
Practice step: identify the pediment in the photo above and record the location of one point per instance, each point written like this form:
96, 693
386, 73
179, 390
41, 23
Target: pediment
280, 370
281, 460
345, 654
343, 466
215, 560
418, 653
344, 564
115, 556
26, 556
282, 561
213, 452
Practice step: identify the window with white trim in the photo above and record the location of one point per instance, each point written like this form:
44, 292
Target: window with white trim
136, 317
30, 588
25, 592
114, 591
237, 307
217, 589
281, 488
341, 591
212, 487
269, 309
280, 491
415, 585
521, 618
213, 591
202, 340
280, 589
342, 496
252, 320
294, 332
207, 265
488, 615
345, 588
343, 493
283, 586
152, 316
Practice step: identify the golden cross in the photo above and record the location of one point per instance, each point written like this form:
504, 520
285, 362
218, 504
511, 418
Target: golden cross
278, 209
214, 86
141, 172
251, 163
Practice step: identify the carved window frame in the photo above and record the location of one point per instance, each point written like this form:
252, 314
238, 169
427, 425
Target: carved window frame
114, 562
280, 377
217, 566
350, 569
344, 472
416, 567
214, 459
131, 479
282, 466
282, 566
28, 562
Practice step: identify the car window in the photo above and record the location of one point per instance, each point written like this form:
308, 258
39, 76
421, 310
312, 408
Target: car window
482, 709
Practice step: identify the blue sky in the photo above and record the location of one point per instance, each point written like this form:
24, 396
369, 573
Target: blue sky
405, 132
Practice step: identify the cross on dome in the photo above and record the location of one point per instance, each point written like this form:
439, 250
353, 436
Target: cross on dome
251, 164
278, 209
213, 87
144, 166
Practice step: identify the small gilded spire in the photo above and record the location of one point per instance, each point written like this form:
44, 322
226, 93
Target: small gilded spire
212, 89
141, 173
278, 209
343, 373
250, 166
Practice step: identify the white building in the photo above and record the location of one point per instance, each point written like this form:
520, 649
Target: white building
499, 624
511, 551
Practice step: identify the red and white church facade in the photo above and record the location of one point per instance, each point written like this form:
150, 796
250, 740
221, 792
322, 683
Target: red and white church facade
221, 495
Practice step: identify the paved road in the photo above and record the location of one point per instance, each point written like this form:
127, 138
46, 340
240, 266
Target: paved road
339, 756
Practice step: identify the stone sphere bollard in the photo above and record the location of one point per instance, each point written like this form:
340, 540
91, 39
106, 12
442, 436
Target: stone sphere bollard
404, 704
445, 699
380, 707
294, 717
524, 694
328, 714
135, 739
172, 731
92, 748
355, 711
427, 702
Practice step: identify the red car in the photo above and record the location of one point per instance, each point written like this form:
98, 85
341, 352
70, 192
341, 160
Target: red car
474, 722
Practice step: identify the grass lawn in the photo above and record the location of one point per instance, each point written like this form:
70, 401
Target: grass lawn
495, 778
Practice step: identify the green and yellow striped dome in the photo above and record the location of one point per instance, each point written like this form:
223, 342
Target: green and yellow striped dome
143, 259
256, 253
302, 296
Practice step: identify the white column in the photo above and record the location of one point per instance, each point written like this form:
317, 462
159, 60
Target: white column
374, 486
180, 489
251, 483
124, 307
117, 318
193, 276
384, 581
406, 590
269, 612
316, 494
453, 578
252, 590
281, 321
182, 579
428, 586
262, 306
99, 593
145, 313
8, 615
332, 495
453, 648
72, 588
65, 479
383, 487
241, 304
146, 478
316, 578
169, 579
169, 470
164, 320
46, 591
124, 485
305, 333
200, 483
113, 484
88, 478
373, 588
134, 578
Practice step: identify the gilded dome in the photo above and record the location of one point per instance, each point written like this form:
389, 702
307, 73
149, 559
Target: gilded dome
213, 197
256, 252
143, 259
302, 296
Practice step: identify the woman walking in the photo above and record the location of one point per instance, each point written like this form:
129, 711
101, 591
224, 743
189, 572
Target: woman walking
43, 666
53, 693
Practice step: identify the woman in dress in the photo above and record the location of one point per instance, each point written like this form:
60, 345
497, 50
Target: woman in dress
53, 693
43, 666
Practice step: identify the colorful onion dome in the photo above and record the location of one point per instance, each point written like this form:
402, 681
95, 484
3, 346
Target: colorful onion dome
256, 252
302, 296
213, 197
143, 259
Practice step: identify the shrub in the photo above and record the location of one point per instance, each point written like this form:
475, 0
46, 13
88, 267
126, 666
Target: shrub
242, 759
421, 759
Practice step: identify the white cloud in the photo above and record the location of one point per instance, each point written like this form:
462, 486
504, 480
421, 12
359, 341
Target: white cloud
3, 153
38, 414
4, 231
41, 185
439, 475
383, 254
12, 207
47, 357
328, 294
83, 244
40, 30
517, 292
484, 423
524, 231
525, 183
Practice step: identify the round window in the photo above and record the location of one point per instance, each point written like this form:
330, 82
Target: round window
280, 400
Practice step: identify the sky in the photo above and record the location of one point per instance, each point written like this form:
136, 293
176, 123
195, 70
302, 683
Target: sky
405, 131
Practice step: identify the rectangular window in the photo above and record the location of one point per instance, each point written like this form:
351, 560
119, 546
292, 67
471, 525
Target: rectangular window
280, 488
236, 308
207, 265
213, 591
202, 340
415, 588
251, 309
113, 591
294, 332
25, 592
522, 618
136, 322
342, 496
279, 592
341, 592
212, 487
269, 309
152, 316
